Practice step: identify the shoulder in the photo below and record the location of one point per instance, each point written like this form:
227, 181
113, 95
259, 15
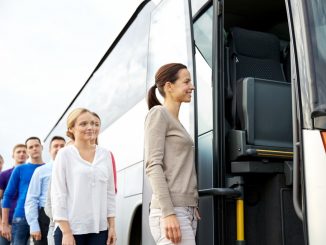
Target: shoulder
103, 151
4, 177
157, 112
65, 151
156, 109
21, 167
39, 169
6, 172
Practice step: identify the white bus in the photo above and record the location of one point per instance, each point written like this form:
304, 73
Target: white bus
258, 117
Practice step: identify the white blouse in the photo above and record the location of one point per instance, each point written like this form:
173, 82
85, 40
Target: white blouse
83, 193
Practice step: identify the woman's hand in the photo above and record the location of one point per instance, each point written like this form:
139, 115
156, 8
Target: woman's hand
172, 228
197, 214
68, 239
112, 237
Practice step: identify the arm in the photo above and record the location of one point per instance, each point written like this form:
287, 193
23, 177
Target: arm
67, 236
8, 196
59, 198
111, 191
1, 195
32, 203
5, 227
112, 238
111, 203
59, 189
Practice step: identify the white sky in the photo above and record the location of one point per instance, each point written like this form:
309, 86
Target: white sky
48, 49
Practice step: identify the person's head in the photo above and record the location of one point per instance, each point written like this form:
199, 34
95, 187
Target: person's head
19, 153
2, 161
97, 120
81, 125
173, 81
34, 149
56, 143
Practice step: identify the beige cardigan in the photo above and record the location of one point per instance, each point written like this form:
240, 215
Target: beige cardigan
169, 159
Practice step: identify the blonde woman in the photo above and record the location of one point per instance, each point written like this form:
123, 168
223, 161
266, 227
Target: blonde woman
82, 194
169, 159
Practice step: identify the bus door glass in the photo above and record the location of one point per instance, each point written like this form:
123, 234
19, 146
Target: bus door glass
169, 42
203, 38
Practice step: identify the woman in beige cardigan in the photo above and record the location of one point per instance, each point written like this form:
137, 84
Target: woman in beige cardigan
169, 159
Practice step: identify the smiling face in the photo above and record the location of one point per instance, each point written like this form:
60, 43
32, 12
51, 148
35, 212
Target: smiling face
181, 89
84, 127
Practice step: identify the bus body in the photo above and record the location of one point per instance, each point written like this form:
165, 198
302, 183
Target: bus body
257, 118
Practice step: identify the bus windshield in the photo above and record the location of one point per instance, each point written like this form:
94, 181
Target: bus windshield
317, 25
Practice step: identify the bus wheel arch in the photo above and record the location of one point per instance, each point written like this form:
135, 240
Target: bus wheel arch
135, 236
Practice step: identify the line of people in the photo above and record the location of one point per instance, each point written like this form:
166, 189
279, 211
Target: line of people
71, 199
75, 194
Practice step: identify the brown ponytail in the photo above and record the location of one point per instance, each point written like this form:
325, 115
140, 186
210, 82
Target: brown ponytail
152, 100
166, 73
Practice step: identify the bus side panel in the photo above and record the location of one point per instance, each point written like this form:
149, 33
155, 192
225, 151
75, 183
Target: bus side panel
315, 170
125, 209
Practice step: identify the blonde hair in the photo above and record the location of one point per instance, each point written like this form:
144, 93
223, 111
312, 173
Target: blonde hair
72, 118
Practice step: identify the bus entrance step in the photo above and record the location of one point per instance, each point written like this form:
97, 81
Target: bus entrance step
257, 167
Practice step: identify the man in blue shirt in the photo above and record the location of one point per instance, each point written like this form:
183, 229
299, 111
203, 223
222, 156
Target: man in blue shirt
36, 196
18, 184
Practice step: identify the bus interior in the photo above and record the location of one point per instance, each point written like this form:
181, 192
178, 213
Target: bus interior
258, 119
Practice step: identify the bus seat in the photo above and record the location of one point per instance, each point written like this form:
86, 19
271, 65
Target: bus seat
255, 54
261, 103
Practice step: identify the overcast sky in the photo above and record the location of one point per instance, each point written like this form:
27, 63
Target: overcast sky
48, 49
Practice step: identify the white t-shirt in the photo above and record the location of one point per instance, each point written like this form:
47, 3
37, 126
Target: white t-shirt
83, 193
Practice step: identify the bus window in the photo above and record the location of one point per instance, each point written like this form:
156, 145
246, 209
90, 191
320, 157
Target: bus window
203, 35
203, 40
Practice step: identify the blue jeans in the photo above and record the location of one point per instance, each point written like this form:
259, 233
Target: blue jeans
20, 231
4, 241
84, 239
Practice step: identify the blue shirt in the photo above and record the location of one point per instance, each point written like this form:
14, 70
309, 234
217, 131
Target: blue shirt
18, 183
36, 195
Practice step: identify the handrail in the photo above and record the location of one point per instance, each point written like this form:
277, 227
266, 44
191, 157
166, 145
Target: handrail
296, 173
220, 192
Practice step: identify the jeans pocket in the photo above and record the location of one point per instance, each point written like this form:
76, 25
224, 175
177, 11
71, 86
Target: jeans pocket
154, 225
16, 220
